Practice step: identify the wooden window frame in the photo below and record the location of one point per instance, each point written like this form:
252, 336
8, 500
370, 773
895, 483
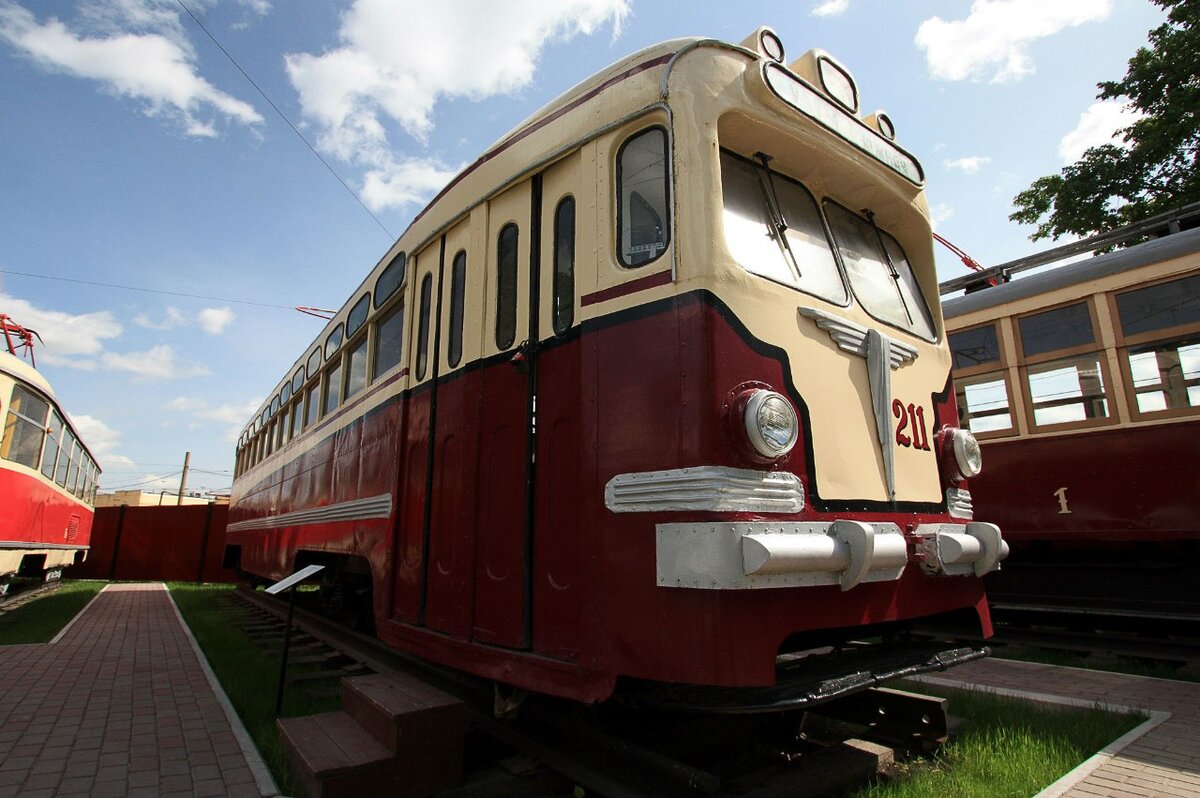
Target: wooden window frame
1096, 344
982, 368
1105, 374
1014, 410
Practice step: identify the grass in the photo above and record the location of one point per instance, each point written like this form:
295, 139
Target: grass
1135, 667
248, 674
1007, 747
44, 617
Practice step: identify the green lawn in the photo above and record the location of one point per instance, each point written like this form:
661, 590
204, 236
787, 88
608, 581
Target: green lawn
248, 674
44, 617
1006, 749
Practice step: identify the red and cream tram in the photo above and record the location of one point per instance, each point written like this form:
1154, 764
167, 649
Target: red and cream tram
48, 477
656, 389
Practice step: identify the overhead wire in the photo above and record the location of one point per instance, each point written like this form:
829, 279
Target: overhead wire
284, 117
147, 290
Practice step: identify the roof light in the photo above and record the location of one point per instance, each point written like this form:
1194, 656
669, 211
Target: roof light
766, 43
882, 123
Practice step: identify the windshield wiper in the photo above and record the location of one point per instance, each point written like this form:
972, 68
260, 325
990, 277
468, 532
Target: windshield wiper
779, 225
887, 259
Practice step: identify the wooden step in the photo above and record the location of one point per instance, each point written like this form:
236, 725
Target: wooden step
331, 756
423, 726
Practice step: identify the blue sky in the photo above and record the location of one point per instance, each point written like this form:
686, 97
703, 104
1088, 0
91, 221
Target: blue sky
133, 153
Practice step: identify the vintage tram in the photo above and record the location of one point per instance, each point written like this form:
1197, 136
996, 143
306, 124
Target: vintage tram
1082, 383
48, 477
657, 389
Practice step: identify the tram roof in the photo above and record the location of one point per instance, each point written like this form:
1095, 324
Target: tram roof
16, 367
1154, 251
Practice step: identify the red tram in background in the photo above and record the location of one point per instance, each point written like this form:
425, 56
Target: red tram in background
655, 392
48, 477
1082, 383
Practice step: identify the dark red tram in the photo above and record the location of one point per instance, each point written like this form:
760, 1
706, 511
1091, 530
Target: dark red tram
655, 390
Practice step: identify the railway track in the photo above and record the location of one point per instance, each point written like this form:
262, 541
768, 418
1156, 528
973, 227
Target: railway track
23, 594
551, 746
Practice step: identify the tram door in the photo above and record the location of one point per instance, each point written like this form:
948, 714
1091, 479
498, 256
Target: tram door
529, 449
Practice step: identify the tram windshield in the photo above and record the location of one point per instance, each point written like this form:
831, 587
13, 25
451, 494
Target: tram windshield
773, 229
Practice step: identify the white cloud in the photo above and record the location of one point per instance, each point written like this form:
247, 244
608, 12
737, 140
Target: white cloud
473, 49
994, 39
156, 363
172, 318
1097, 125
940, 213
214, 320
968, 165
233, 416
831, 8
101, 440
133, 49
67, 339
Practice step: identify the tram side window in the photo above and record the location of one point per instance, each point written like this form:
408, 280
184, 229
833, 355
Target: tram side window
423, 326
643, 198
1163, 357
389, 339
53, 441
458, 297
879, 272
313, 403
356, 367
298, 414
757, 205
506, 286
564, 265
25, 428
1066, 382
73, 474
64, 458
333, 388
982, 398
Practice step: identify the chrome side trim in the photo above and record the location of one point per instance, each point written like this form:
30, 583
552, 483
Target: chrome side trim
740, 556
35, 546
712, 488
959, 504
355, 510
851, 337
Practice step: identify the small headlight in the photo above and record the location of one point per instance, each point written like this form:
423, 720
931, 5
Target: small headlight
967, 455
771, 423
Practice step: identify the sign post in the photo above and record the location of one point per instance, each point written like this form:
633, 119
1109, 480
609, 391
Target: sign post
290, 584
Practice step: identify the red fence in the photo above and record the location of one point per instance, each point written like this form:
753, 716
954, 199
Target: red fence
180, 544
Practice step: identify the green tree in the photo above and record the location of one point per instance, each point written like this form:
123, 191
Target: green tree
1157, 169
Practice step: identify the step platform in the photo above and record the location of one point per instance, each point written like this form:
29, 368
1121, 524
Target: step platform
395, 735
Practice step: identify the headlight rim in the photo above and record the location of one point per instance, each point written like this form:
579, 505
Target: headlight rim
758, 442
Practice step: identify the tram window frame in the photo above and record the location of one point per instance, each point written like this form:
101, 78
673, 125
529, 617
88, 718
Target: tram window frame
281, 433
312, 403
667, 220
64, 464
399, 262
507, 278
389, 316
21, 427
270, 438
55, 417
1065, 355
331, 379
357, 316
357, 351
458, 309
983, 374
1002, 361
426, 302
562, 300
1163, 337
312, 366
297, 412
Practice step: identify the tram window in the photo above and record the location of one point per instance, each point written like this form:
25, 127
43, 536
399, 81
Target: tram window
643, 198
975, 347
333, 388
358, 315
879, 272
356, 367
1060, 328
271, 438
802, 257
1160, 307
1166, 376
73, 474
313, 403
983, 404
284, 395
423, 329
1067, 391
390, 279
298, 382
281, 435
333, 342
314, 362
25, 428
458, 298
564, 265
389, 336
64, 458
506, 286
275, 406
298, 415
53, 441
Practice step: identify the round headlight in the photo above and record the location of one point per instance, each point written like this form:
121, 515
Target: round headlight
967, 455
771, 423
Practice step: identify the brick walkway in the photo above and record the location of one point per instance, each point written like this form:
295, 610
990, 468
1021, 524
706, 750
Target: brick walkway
1164, 761
120, 705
